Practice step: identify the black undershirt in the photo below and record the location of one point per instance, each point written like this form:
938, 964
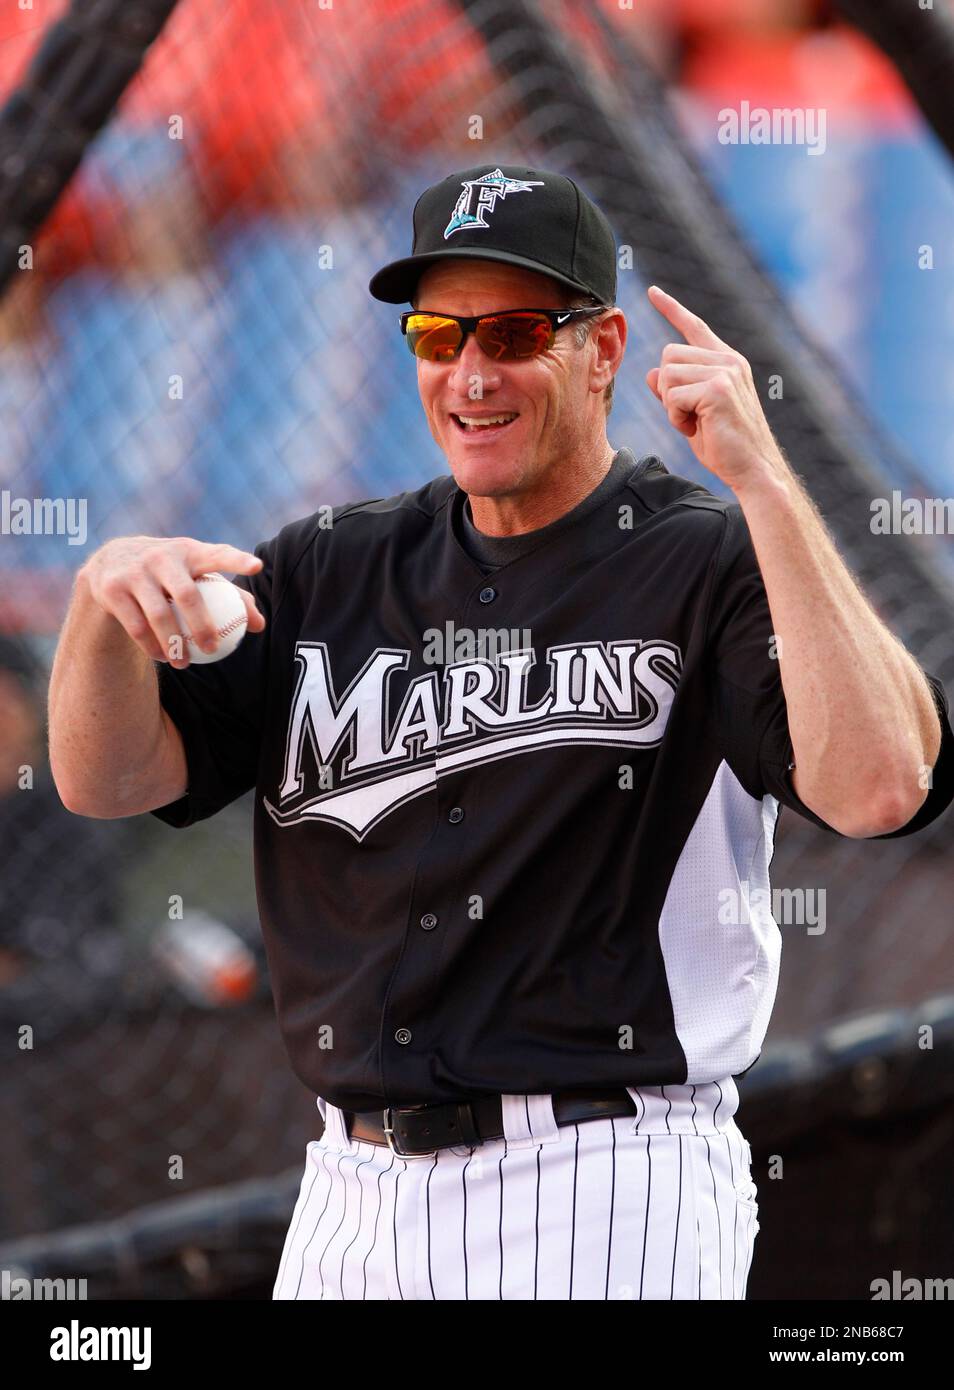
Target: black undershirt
490, 552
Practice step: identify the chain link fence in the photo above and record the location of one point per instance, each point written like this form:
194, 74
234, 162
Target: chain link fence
190, 348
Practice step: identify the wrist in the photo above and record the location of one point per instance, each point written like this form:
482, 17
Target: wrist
770, 481
99, 631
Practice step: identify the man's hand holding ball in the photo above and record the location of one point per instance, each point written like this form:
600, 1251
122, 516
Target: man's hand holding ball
171, 600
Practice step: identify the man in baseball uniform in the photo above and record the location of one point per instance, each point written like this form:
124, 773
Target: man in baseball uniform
516, 739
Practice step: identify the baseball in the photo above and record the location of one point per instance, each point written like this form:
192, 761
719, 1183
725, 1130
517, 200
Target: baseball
226, 609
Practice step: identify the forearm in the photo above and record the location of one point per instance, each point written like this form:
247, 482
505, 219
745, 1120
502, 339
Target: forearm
112, 750
862, 720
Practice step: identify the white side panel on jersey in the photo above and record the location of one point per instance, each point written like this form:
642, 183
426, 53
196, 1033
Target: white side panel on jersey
720, 942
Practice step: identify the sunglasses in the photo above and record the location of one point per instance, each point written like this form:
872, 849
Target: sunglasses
506, 337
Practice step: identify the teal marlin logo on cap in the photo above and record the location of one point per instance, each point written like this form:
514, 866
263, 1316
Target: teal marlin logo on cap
480, 196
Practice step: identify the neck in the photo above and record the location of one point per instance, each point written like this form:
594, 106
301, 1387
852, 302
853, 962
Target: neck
552, 498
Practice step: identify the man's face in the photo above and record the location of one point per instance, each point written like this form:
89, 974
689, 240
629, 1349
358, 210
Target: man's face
553, 411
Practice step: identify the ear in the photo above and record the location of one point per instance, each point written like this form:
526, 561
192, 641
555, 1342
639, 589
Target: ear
609, 335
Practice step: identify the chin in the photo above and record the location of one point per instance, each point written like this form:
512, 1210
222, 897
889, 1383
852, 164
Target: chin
486, 477
486, 472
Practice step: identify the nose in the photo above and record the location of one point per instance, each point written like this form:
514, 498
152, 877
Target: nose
474, 369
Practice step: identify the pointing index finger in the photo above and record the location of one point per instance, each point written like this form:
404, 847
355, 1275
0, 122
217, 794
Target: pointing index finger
694, 329
230, 558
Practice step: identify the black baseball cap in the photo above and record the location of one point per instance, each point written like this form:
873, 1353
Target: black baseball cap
527, 217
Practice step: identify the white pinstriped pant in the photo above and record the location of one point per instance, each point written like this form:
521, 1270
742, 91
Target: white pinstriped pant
660, 1206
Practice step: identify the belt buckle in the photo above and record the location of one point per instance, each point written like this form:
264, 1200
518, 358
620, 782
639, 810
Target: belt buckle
389, 1135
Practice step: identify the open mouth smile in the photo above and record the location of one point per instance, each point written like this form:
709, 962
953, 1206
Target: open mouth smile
489, 425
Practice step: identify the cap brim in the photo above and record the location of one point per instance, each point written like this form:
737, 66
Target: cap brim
396, 283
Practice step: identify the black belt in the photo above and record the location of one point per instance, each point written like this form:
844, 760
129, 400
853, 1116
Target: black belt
418, 1131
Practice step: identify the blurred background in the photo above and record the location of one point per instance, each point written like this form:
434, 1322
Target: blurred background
187, 346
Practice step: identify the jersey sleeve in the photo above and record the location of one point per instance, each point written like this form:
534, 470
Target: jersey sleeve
750, 709
218, 709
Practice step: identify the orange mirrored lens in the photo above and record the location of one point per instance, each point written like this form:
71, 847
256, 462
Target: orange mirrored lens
505, 337
511, 336
432, 337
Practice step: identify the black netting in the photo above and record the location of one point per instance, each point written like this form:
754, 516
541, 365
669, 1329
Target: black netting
192, 350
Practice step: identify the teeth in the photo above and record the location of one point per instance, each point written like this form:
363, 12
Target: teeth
478, 422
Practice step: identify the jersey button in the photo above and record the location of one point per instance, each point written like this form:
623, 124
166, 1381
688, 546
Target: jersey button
487, 595
428, 921
455, 815
403, 1036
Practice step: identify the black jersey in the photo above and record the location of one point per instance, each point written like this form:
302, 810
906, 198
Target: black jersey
509, 826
